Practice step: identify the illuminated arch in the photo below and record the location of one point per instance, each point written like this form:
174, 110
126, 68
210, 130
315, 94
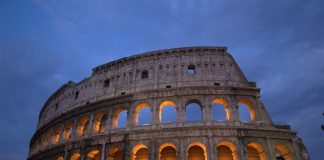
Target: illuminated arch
60, 158
39, 142
116, 116
94, 155
115, 153
138, 109
196, 151
47, 138
164, 104
167, 151
255, 151
67, 130
82, 126
226, 150
75, 156
99, 122
56, 135
283, 151
140, 152
250, 107
225, 105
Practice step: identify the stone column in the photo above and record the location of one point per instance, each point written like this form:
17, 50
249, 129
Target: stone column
83, 155
257, 112
90, 124
74, 129
204, 109
242, 151
66, 151
130, 117
178, 110
154, 114
295, 154
269, 149
234, 109
103, 151
211, 148
129, 120
181, 150
108, 126
51, 136
181, 114
152, 150
61, 138
127, 151
208, 111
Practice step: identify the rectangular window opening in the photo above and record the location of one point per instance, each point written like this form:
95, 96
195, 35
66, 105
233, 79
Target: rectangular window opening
76, 95
145, 74
191, 70
106, 83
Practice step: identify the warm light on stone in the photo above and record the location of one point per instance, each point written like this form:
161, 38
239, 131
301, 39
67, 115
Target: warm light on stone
86, 125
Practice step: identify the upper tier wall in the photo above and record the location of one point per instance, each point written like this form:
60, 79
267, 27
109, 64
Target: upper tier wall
166, 68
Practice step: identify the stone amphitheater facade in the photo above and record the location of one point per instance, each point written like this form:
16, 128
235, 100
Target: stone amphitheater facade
80, 121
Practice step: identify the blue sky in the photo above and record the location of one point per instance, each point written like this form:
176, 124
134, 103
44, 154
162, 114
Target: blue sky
43, 44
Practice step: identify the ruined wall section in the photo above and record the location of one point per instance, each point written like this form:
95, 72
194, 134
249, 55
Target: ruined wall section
166, 69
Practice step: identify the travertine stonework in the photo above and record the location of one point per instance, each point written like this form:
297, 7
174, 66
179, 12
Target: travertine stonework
80, 120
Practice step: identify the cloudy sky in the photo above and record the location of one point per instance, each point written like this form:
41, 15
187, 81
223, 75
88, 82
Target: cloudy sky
43, 44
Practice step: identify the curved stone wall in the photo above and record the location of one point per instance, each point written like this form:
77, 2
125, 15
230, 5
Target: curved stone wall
80, 120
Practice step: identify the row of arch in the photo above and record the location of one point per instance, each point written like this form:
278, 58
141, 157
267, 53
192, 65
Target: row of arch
225, 150
167, 113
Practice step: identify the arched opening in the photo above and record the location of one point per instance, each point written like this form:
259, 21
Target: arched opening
119, 118
140, 152
75, 156
47, 138
103, 121
115, 153
252, 153
83, 125
145, 74
255, 152
60, 158
220, 110
39, 142
196, 151
244, 113
167, 112
142, 114
194, 112
282, 152
246, 110
99, 122
226, 151
94, 155
56, 135
167, 152
67, 130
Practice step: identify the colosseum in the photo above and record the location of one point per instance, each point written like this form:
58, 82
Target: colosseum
183, 103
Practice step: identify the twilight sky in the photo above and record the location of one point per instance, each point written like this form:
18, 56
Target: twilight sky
43, 44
